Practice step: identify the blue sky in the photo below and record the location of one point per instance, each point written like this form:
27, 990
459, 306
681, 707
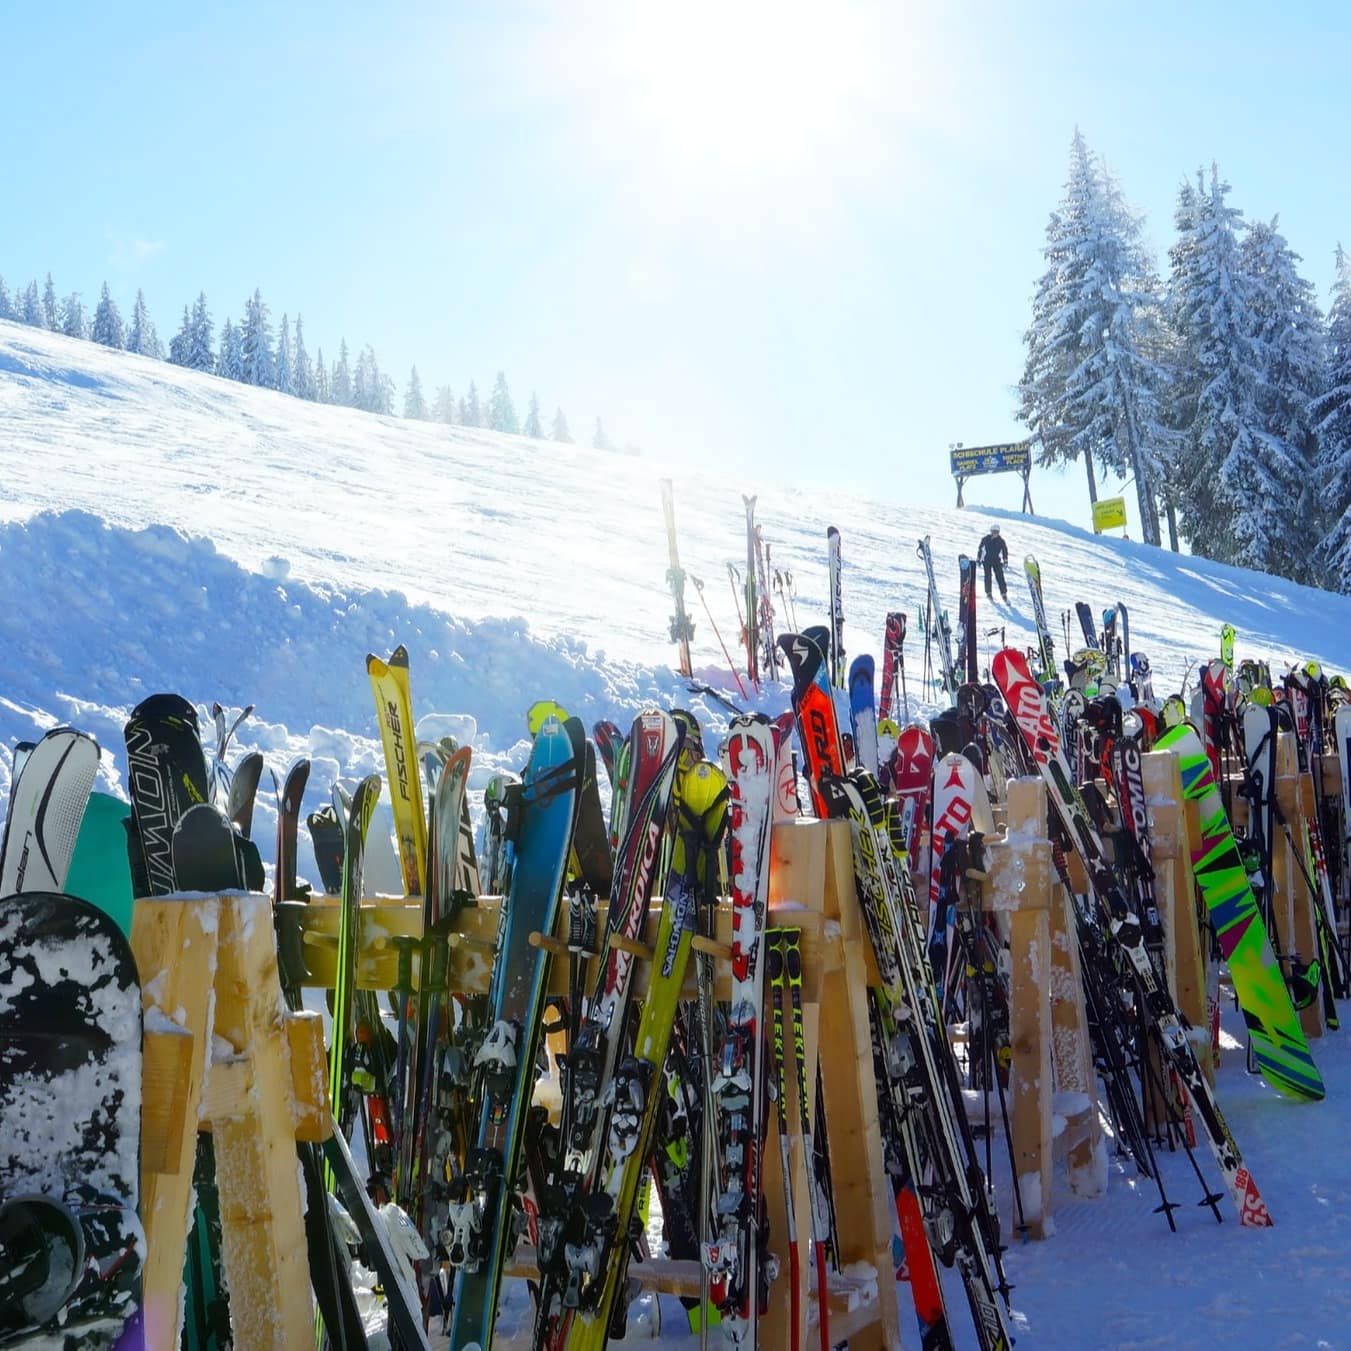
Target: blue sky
770, 237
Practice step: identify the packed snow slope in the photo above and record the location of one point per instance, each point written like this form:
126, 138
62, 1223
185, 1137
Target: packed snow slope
161, 529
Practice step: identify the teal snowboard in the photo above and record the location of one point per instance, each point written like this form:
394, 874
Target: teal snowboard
99, 870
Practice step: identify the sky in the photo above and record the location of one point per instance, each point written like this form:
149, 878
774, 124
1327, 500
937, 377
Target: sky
751, 236
137, 558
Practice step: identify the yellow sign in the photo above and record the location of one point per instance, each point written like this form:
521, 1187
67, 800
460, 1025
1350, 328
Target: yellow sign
1108, 512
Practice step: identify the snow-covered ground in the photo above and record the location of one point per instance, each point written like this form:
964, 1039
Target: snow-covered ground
161, 529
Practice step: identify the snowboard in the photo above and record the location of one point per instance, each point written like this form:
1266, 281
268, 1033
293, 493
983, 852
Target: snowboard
47, 801
1278, 1042
70, 1123
99, 871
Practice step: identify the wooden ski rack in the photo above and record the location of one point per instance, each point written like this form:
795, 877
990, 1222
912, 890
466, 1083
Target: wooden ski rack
223, 1054
811, 889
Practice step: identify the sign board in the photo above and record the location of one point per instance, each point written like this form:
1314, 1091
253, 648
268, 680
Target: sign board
1108, 512
968, 461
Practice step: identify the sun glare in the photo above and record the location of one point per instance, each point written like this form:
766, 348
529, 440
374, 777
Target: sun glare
748, 94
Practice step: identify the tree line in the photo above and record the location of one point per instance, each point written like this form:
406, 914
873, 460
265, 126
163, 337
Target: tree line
1220, 390
247, 350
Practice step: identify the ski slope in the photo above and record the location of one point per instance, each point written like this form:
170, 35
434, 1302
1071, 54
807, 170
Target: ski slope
161, 529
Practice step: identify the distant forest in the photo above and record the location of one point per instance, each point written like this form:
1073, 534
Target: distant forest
246, 349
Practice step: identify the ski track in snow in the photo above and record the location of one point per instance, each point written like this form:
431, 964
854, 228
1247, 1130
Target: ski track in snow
161, 529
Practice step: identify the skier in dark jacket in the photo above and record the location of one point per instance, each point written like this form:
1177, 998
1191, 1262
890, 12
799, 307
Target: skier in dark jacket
993, 554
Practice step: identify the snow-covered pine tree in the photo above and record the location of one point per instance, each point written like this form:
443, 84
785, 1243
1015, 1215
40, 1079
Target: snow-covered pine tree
51, 311
1332, 414
341, 384
302, 379
282, 377
599, 440
1089, 389
471, 414
559, 431
501, 410
414, 405
255, 343
1230, 471
323, 391
443, 407
366, 393
533, 426
31, 311
199, 355
6, 304
1291, 343
141, 337
108, 328
230, 364
179, 343
74, 324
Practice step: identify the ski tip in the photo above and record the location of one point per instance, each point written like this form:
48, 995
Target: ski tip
399, 657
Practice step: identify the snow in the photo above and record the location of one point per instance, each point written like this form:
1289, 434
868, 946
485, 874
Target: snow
160, 529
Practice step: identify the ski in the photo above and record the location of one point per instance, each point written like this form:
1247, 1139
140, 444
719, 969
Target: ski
394, 714
836, 648
481, 1231
893, 666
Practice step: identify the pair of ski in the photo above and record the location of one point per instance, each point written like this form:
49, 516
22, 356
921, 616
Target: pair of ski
931, 1146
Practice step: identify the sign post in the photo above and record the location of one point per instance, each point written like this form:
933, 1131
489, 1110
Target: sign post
1108, 513
1013, 457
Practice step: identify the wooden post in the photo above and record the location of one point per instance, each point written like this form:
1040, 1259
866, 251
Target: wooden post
813, 866
263, 1245
209, 981
175, 944
1174, 833
1293, 901
1019, 886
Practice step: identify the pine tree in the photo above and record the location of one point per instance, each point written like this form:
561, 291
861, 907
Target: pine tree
255, 342
341, 383
302, 381
414, 405
1221, 470
1332, 414
501, 410
559, 431
1291, 345
181, 342
471, 415
108, 328
198, 353
32, 306
323, 392
282, 378
1088, 390
142, 338
74, 324
6, 304
532, 422
599, 440
372, 389
443, 409
231, 361
51, 317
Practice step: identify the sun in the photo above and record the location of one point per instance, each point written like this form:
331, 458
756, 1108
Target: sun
743, 95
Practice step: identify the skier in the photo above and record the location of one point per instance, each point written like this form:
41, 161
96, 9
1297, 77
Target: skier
993, 554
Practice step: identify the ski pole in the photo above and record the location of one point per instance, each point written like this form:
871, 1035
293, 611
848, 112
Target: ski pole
734, 579
699, 587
